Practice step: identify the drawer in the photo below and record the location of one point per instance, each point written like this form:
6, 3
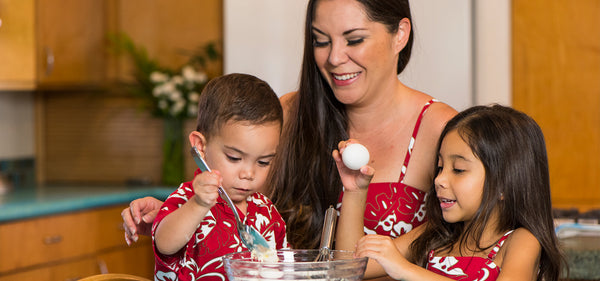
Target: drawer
135, 260
61, 272
42, 240
138, 260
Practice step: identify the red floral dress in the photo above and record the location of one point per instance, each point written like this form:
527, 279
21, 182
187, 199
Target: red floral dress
395, 208
215, 236
468, 268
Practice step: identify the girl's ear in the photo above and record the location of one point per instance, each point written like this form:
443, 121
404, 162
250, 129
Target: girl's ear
402, 35
198, 140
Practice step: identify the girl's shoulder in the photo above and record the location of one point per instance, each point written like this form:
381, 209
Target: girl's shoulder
522, 236
520, 254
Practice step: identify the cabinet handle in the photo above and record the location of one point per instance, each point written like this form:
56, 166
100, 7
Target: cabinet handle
52, 239
49, 61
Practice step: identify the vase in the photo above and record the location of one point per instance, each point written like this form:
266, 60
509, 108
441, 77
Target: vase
173, 163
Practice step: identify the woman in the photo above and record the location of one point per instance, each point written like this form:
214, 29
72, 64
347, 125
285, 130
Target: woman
353, 52
349, 88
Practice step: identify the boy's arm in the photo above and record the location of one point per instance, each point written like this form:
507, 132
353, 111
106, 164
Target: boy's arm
178, 227
175, 230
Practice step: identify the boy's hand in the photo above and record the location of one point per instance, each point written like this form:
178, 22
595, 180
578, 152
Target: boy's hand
353, 180
206, 186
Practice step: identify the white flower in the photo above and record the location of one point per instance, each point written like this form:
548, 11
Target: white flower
201, 77
175, 96
177, 79
177, 107
158, 77
163, 104
192, 110
188, 73
167, 87
156, 92
194, 97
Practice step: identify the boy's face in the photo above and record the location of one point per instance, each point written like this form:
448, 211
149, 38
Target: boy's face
243, 153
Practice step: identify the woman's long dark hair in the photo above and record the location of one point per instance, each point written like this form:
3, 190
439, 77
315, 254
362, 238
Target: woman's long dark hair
304, 180
511, 147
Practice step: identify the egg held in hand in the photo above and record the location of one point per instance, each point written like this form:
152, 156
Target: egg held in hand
355, 156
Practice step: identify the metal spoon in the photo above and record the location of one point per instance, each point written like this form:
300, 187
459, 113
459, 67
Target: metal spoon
327, 234
250, 236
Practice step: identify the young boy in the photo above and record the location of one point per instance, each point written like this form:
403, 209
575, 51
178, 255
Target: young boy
238, 128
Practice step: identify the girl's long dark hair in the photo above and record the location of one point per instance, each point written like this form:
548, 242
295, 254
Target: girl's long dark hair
511, 147
304, 180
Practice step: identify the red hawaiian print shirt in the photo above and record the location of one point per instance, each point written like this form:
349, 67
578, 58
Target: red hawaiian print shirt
215, 237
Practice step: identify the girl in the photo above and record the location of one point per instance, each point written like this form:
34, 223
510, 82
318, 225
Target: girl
489, 215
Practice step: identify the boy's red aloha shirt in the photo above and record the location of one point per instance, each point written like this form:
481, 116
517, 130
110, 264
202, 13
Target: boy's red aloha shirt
215, 236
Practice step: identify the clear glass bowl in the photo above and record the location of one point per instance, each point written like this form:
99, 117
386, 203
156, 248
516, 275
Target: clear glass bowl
295, 265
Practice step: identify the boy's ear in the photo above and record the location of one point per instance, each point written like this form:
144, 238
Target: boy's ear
198, 140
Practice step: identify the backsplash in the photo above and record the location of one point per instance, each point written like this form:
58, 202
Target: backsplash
17, 173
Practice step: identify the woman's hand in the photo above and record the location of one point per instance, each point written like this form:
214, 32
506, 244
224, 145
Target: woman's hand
352, 180
138, 217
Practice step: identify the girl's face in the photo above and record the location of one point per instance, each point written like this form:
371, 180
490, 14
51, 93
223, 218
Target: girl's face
355, 55
242, 153
460, 179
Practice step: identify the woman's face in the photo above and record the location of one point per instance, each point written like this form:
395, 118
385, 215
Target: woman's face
355, 55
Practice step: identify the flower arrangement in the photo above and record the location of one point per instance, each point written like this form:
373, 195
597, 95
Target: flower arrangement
169, 94
177, 95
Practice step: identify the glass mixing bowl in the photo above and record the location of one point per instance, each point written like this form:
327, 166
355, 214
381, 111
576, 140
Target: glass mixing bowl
295, 265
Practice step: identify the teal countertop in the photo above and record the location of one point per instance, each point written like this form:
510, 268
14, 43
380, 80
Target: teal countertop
31, 202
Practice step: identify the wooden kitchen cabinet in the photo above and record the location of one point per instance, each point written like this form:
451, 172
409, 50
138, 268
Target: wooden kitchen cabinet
52, 43
71, 246
556, 81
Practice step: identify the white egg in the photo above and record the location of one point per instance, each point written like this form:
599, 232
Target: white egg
355, 156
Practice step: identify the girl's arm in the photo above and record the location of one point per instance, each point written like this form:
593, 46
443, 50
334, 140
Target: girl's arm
521, 257
178, 227
387, 256
385, 253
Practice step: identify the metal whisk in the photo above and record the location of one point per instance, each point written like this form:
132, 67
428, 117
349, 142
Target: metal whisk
327, 234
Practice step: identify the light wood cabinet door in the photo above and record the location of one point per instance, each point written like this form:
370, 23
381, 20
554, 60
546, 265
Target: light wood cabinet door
556, 80
53, 43
17, 44
71, 48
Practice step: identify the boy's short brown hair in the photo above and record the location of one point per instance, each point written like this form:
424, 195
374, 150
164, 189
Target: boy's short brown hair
238, 97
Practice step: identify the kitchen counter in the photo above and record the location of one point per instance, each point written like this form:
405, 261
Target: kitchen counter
583, 256
583, 253
32, 202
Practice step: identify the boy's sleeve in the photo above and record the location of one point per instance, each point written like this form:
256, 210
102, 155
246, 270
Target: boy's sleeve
179, 197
